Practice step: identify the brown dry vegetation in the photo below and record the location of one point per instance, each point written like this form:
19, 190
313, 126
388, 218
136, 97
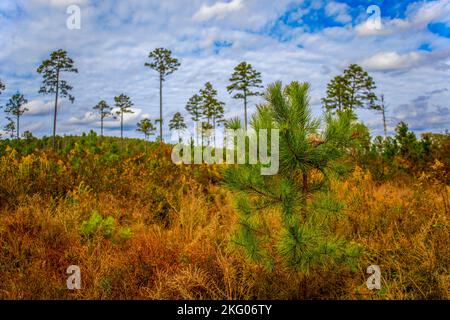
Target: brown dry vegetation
181, 221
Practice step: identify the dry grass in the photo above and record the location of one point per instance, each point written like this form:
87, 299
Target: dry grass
181, 222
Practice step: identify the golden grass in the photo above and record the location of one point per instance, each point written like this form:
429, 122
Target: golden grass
180, 245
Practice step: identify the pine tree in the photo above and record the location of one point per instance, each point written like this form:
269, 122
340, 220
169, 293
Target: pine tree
105, 111
194, 108
302, 241
177, 123
337, 94
164, 64
354, 89
147, 128
10, 127
123, 103
243, 80
51, 70
211, 107
15, 108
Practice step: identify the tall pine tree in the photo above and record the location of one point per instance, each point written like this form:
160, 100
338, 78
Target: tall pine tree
212, 108
51, 70
105, 111
177, 123
162, 62
147, 128
244, 81
194, 108
123, 104
16, 108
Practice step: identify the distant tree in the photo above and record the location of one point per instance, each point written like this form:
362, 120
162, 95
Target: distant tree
194, 108
123, 103
177, 123
10, 127
211, 107
15, 108
406, 141
354, 89
337, 94
2, 86
105, 111
206, 131
51, 70
243, 81
164, 64
27, 135
147, 128
383, 109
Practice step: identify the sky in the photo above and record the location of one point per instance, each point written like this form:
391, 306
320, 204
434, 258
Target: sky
407, 52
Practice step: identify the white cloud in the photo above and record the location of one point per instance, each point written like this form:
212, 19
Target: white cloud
419, 15
61, 3
113, 44
392, 61
339, 11
217, 10
40, 108
389, 61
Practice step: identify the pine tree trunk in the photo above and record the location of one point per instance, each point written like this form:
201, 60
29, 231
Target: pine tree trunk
121, 125
383, 110
56, 108
101, 127
214, 132
160, 109
196, 133
18, 136
245, 109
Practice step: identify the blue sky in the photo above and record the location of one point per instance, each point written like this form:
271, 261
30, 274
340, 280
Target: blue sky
310, 40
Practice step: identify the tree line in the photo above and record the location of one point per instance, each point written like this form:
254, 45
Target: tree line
355, 88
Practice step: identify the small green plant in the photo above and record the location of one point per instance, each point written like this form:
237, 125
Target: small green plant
106, 226
125, 233
96, 223
89, 227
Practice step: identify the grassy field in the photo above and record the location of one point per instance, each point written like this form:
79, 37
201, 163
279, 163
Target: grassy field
141, 227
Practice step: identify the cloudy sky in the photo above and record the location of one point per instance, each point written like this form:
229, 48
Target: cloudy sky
314, 40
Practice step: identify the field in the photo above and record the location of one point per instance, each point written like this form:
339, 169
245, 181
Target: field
141, 227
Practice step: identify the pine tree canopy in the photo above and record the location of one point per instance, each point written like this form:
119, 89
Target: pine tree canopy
103, 109
244, 81
123, 103
15, 105
163, 62
146, 127
177, 122
354, 89
51, 70
212, 108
